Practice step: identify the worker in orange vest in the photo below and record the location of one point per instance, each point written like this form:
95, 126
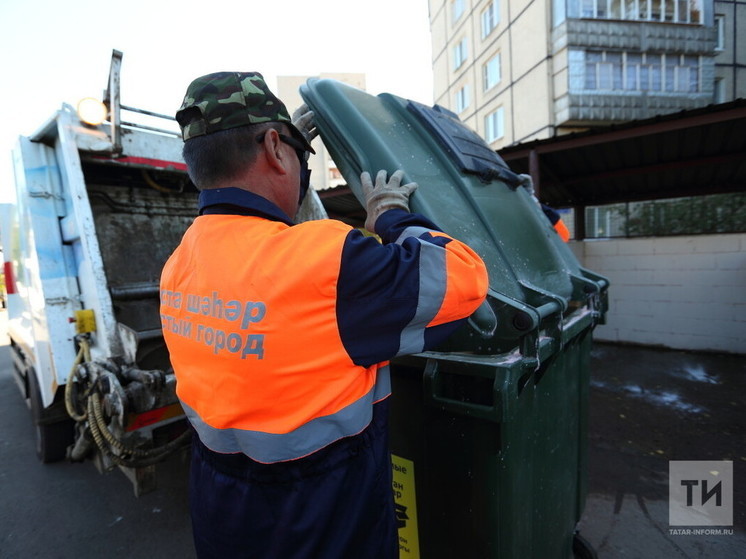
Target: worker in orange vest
556, 220
280, 334
551, 214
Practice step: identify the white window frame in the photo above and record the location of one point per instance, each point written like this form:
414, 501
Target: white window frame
490, 18
457, 10
718, 92
492, 72
494, 125
720, 26
674, 73
668, 11
460, 53
463, 99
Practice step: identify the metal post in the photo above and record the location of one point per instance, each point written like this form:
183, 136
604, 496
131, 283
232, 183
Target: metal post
533, 170
579, 223
112, 100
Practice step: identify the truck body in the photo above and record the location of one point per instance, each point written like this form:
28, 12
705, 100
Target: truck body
97, 211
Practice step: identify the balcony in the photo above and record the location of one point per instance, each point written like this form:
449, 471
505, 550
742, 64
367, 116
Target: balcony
617, 71
640, 36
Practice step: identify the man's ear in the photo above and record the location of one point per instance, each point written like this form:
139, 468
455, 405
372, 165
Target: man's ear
273, 151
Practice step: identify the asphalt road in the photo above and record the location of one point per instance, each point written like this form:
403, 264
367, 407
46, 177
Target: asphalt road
648, 407
66, 511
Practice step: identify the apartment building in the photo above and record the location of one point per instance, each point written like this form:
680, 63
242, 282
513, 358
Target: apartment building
521, 70
324, 172
730, 52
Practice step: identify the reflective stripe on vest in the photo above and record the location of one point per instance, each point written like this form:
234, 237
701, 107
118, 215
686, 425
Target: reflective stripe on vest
442, 298
432, 291
306, 439
254, 341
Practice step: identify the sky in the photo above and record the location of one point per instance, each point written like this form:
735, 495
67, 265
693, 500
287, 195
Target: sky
59, 51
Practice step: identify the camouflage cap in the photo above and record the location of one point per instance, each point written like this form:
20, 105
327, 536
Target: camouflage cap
225, 100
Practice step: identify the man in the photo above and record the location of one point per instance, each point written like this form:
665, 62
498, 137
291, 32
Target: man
551, 214
555, 219
280, 334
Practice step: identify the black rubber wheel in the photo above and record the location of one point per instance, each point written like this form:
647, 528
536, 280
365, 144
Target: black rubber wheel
582, 549
52, 438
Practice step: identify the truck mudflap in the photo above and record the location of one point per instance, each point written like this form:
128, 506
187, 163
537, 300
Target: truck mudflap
468, 190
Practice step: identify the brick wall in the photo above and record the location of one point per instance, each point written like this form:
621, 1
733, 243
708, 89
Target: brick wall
677, 292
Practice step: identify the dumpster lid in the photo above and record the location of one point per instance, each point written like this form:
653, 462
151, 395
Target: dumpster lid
468, 151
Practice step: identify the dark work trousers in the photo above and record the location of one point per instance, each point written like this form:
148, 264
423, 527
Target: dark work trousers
334, 504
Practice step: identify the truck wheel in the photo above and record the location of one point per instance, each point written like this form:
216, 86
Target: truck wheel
52, 438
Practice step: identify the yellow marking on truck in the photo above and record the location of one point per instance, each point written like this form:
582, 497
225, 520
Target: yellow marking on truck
85, 321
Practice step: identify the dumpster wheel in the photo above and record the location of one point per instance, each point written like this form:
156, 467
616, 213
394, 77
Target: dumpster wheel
581, 548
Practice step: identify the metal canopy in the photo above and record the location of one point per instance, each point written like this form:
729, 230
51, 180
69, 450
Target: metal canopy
690, 153
340, 203
696, 152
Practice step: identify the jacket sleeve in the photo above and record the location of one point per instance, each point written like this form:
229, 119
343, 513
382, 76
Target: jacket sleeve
407, 294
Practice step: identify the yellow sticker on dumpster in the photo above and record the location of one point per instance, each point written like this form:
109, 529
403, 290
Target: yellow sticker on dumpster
406, 507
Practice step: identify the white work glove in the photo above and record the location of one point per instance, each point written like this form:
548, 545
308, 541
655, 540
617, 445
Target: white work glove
384, 195
528, 183
302, 119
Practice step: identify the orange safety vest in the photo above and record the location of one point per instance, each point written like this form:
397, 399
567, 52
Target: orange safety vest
249, 311
562, 230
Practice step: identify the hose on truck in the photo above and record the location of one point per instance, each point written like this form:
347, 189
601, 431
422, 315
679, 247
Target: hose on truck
137, 457
126, 455
84, 354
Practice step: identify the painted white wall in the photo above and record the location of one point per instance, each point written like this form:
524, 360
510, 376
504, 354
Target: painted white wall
677, 292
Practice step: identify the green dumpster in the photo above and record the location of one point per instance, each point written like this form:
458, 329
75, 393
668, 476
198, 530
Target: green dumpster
489, 433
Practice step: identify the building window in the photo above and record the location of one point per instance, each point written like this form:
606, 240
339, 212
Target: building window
462, 99
460, 53
490, 18
457, 10
603, 70
719, 91
491, 72
607, 71
632, 79
671, 11
720, 25
335, 176
494, 125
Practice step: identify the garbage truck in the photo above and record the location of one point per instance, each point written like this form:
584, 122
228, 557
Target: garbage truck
101, 201
99, 205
